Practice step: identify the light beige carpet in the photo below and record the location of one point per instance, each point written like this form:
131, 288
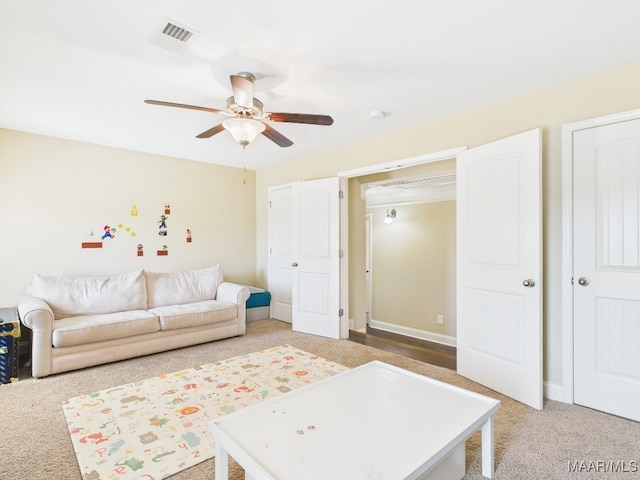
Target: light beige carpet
156, 427
560, 442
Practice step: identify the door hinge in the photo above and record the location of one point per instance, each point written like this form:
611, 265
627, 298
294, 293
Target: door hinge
269, 202
340, 312
341, 253
340, 194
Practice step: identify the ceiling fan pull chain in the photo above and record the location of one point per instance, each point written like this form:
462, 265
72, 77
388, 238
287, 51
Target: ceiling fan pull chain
244, 164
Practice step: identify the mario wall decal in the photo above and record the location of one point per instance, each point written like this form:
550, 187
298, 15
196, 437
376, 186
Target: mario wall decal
109, 232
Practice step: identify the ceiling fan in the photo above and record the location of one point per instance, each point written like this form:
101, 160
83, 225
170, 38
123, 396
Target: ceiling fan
243, 110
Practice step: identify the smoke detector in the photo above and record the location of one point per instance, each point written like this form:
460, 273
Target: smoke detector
377, 114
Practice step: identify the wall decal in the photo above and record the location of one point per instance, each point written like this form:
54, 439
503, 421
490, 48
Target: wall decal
91, 244
109, 232
163, 226
127, 229
188, 235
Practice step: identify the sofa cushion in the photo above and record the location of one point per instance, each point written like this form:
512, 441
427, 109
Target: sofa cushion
96, 328
195, 314
89, 295
182, 287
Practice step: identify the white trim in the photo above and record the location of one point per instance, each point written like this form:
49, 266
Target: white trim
413, 332
344, 259
567, 263
368, 265
567, 241
553, 391
403, 163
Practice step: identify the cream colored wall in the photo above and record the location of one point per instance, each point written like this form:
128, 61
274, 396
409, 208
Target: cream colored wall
606, 93
413, 267
53, 191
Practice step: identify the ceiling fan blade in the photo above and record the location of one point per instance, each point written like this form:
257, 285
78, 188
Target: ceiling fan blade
275, 136
299, 118
182, 105
242, 90
211, 132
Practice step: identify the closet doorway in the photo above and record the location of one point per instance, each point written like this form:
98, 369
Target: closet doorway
412, 250
409, 266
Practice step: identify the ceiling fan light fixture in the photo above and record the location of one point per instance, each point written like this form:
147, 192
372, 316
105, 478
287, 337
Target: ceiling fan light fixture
243, 130
245, 108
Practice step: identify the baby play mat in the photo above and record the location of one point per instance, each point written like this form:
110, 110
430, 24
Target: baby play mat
154, 428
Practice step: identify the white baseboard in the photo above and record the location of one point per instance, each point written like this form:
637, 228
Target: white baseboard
553, 391
414, 332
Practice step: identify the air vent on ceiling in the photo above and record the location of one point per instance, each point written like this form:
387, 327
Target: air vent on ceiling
179, 33
174, 36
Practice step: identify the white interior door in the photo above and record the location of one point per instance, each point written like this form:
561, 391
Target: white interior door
316, 257
606, 245
499, 314
280, 251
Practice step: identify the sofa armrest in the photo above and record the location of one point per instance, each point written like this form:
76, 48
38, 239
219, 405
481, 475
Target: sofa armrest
233, 292
36, 314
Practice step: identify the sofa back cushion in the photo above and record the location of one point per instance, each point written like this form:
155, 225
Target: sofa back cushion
88, 295
182, 287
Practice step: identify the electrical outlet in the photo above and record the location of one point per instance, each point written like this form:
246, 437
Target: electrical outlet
439, 319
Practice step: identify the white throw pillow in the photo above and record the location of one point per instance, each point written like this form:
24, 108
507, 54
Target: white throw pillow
183, 287
83, 295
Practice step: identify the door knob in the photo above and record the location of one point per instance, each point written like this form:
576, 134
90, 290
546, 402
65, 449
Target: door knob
294, 264
584, 281
528, 282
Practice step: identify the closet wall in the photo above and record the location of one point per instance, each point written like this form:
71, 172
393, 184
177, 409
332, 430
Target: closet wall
413, 268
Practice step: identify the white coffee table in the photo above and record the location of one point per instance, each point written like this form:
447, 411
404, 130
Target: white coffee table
376, 421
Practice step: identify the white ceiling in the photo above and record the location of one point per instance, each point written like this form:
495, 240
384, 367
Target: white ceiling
80, 69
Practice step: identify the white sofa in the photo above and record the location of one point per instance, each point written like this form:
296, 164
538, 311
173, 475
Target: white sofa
81, 321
